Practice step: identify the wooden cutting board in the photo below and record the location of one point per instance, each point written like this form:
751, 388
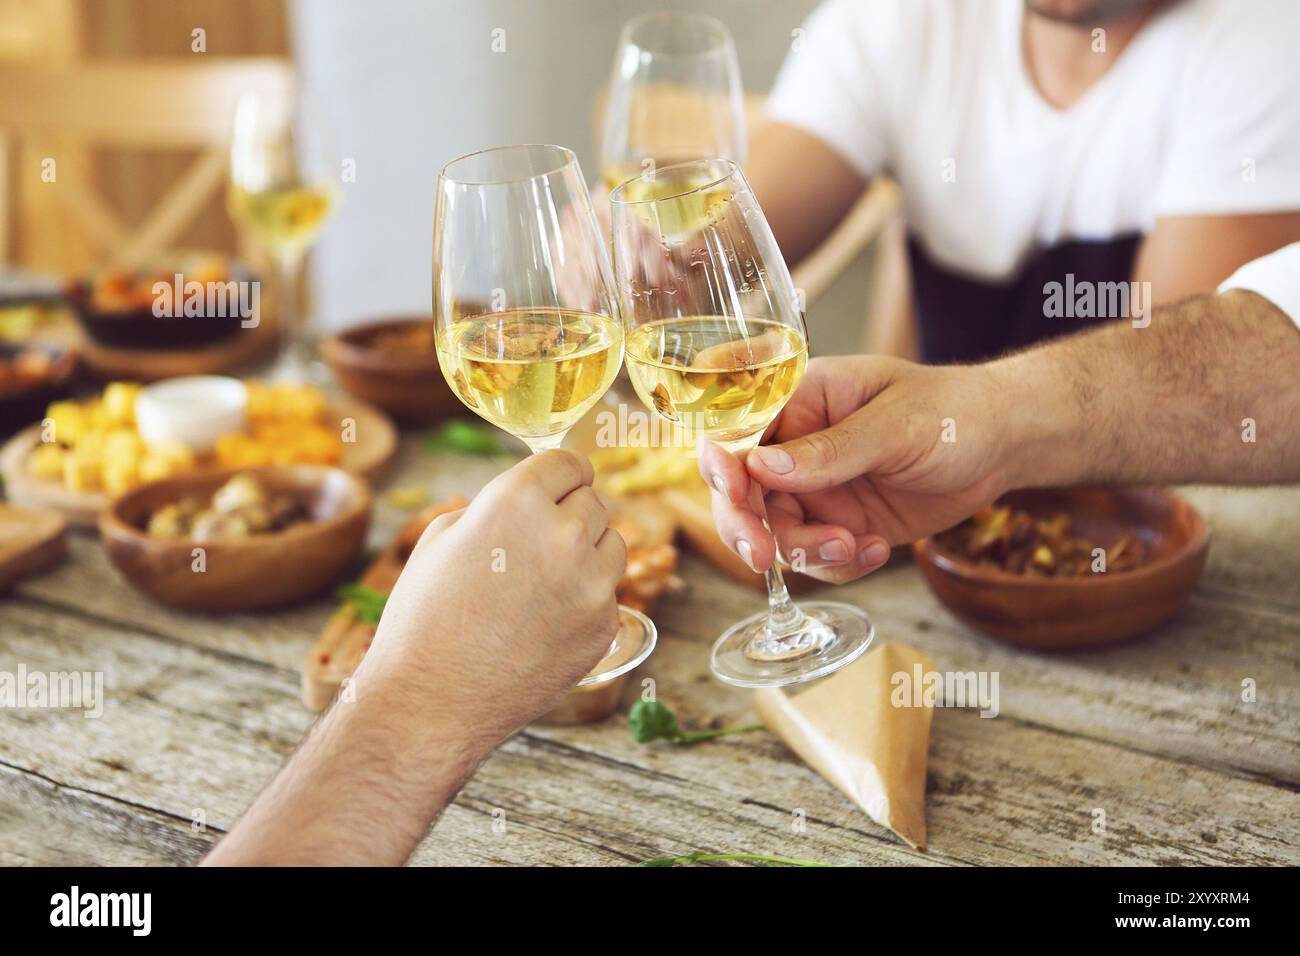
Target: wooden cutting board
31, 541
370, 456
687, 503
690, 505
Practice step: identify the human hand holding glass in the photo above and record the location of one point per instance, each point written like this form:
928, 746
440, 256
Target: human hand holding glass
716, 344
527, 334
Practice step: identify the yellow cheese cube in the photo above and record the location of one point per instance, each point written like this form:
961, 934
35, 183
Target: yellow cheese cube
119, 402
68, 420
81, 471
98, 418
122, 444
120, 475
46, 461
91, 442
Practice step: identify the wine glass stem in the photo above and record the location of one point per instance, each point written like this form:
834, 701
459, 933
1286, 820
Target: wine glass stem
291, 321
544, 443
784, 619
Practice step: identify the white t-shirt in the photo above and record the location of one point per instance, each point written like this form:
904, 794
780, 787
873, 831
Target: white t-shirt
1275, 276
1003, 191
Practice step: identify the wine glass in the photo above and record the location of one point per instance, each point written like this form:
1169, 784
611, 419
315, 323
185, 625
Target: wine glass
527, 333
674, 95
715, 343
283, 187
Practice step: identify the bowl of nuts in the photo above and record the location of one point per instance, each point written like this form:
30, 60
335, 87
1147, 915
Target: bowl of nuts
1061, 568
238, 540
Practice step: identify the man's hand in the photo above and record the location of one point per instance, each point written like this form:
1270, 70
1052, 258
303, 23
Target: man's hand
500, 610
877, 451
862, 462
504, 606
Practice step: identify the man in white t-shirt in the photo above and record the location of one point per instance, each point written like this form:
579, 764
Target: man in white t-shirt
1042, 145
1207, 391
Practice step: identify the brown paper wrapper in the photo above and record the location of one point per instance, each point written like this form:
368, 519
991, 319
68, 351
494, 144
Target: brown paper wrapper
848, 730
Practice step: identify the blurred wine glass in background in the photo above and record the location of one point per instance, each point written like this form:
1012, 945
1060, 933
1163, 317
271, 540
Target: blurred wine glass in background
675, 94
283, 188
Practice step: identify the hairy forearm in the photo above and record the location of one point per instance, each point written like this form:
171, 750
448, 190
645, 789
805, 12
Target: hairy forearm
1208, 392
364, 786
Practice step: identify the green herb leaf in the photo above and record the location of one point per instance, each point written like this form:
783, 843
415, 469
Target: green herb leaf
466, 437
366, 601
651, 720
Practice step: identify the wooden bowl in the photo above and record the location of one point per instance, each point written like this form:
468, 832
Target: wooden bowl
139, 328
241, 574
1058, 613
19, 405
406, 384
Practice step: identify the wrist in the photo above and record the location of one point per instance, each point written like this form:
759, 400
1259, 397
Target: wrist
1033, 408
406, 704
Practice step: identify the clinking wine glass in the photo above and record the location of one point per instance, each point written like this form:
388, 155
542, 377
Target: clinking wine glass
283, 188
716, 343
527, 331
674, 94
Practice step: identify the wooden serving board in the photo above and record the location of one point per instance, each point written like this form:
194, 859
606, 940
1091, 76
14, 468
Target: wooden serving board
31, 540
688, 506
151, 365
370, 456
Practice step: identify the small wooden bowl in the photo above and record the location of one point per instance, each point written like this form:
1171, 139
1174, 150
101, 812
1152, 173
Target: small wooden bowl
1058, 613
20, 406
406, 384
139, 328
241, 574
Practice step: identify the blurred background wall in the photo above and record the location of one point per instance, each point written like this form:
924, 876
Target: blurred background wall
406, 85
416, 83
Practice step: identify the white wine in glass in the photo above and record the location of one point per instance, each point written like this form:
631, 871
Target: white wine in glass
282, 190
714, 378
531, 372
716, 343
527, 330
674, 95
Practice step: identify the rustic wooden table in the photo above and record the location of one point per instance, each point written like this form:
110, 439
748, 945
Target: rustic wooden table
201, 711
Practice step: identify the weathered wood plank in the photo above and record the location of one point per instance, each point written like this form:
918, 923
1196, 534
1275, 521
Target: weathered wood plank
43, 823
1253, 549
188, 729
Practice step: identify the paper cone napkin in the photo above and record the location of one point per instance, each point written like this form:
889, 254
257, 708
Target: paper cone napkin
848, 729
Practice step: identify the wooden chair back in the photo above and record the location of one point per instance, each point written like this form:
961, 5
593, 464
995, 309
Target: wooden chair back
54, 113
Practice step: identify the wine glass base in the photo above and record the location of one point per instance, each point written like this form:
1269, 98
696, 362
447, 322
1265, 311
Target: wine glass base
636, 638
834, 635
